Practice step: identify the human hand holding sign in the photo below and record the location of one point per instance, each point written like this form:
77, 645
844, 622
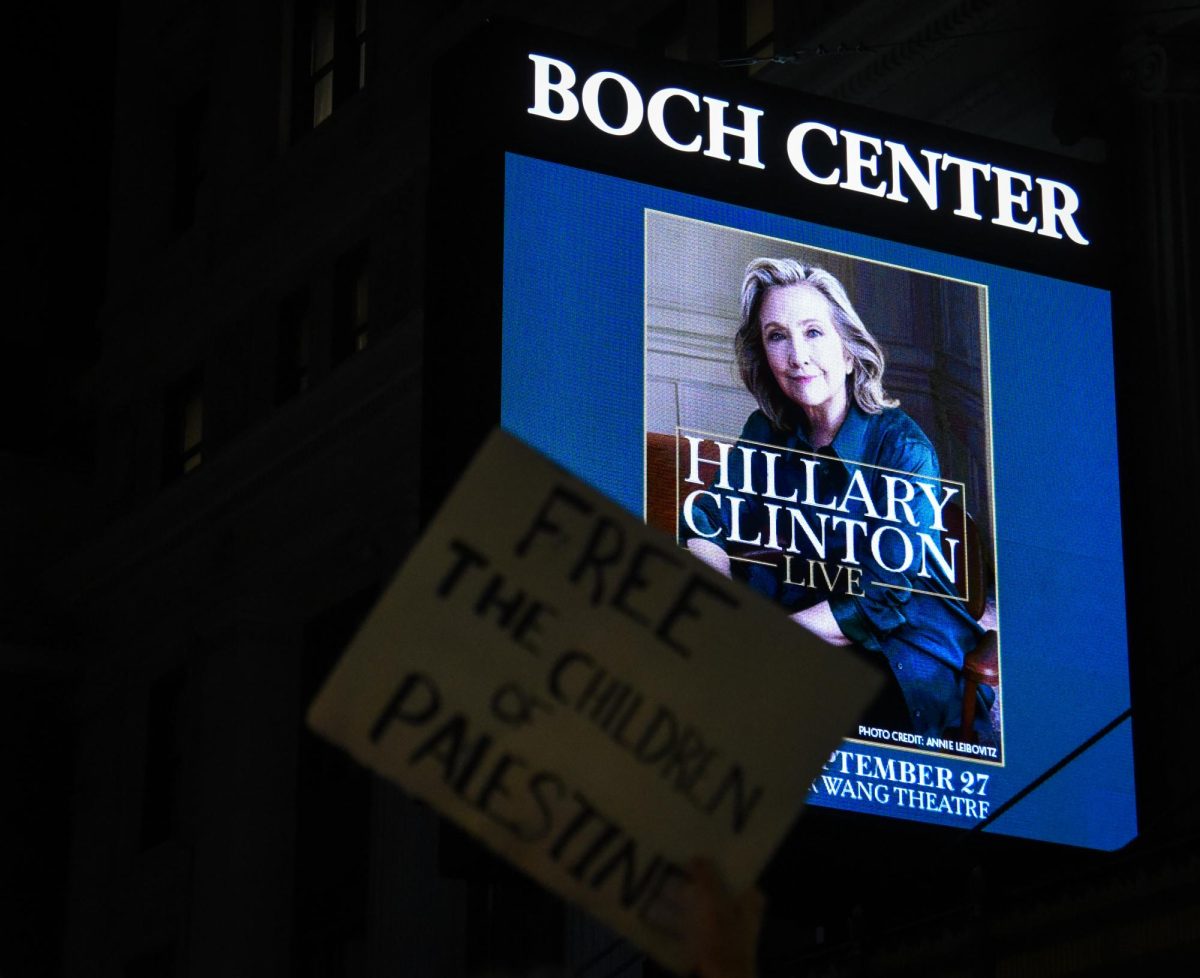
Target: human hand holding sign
720, 929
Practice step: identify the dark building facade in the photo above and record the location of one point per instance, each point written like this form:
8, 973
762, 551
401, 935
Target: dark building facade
233, 472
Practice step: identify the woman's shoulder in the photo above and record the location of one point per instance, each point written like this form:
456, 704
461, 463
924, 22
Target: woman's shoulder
758, 427
902, 443
898, 423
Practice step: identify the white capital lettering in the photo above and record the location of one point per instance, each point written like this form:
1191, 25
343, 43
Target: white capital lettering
689, 514
717, 131
904, 541
722, 466
543, 87
1006, 199
856, 162
633, 103
795, 152
923, 183
1053, 211
654, 115
966, 183
948, 493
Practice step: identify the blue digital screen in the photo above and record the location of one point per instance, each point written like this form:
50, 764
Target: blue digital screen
620, 305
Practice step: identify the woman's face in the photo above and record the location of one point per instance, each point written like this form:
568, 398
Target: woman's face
803, 347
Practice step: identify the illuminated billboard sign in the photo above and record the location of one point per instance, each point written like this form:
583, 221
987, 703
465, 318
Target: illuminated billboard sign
861, 364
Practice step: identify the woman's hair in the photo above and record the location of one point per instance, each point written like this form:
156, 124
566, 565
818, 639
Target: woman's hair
866, 383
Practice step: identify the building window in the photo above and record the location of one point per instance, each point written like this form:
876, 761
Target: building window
360, 41
330, 59
293, 368
333, 818
183, 442
350, 293
191, 121
759, 32
157, 962
161, 781
745, 29
665, 33
760, 28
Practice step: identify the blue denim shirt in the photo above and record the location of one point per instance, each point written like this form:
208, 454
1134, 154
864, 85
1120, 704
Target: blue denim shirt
922, 635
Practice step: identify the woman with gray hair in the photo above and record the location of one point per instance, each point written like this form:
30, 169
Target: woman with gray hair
862, 480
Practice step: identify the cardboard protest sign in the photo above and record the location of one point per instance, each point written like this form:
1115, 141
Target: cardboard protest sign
587, 699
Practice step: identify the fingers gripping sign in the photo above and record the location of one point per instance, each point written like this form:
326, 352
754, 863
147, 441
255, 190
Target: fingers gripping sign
721, 929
